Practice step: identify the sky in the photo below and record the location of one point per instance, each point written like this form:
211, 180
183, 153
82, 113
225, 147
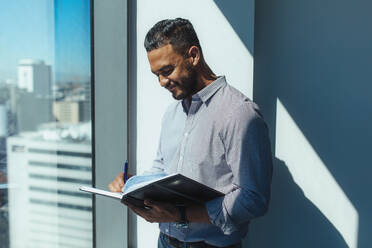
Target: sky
56, 31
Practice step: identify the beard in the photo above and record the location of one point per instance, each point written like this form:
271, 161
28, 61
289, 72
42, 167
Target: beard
187, 84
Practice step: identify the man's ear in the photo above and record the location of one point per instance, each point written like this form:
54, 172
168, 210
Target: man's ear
194, 55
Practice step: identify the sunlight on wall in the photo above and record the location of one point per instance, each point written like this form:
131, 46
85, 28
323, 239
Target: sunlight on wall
312, 176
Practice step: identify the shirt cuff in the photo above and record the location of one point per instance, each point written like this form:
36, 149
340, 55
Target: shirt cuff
219, 216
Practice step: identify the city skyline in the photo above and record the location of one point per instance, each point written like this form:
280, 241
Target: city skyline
45, 123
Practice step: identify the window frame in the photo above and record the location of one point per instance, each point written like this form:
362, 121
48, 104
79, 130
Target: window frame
109, 32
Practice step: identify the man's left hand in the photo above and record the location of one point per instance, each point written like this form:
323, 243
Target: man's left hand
156, 212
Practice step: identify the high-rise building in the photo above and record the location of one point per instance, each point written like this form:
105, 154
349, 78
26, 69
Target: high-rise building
32, 110
34, 76
69, 111
46, 208
3, 121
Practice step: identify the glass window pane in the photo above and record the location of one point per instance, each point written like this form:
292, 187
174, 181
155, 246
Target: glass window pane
45, 124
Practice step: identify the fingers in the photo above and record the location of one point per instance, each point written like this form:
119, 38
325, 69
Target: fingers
155, 211
147, 214
157, 206
118, 183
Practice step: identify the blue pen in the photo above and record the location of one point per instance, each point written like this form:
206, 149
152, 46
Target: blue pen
125, 171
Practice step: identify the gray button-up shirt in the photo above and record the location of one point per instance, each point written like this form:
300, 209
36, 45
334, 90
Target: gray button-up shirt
219, 139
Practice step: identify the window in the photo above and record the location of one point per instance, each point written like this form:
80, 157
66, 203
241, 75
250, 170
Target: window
45, 151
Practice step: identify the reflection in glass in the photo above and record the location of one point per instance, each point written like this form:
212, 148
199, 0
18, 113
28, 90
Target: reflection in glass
45, 124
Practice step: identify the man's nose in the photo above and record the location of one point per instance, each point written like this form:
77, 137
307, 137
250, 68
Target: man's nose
164, 81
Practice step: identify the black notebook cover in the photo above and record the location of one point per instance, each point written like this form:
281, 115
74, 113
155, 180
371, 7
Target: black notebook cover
175, 189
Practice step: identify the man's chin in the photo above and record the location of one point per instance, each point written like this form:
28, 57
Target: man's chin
179, 96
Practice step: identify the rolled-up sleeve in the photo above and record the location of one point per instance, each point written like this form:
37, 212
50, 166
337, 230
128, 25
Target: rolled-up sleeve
248, 153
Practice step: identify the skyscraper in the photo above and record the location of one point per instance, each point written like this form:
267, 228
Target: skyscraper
34, 76
46, 208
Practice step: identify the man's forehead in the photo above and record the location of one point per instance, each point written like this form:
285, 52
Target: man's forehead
161, 56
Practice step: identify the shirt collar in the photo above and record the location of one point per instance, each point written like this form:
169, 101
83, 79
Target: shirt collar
207, 92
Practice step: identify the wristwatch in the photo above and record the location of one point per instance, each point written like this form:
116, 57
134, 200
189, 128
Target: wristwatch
182, 222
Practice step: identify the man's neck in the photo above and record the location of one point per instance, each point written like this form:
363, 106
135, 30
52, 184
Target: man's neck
205, 76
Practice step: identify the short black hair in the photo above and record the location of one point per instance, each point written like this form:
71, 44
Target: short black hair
178, 32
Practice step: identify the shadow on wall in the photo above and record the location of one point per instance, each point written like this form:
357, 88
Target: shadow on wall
315, 57
236, 11
293, 220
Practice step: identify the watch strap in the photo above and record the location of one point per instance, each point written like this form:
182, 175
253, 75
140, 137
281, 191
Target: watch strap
182, 215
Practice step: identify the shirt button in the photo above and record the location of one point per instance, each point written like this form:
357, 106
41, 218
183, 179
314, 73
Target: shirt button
166, 230
186, 134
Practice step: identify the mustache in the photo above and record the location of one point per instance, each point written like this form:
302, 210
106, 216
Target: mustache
172, 84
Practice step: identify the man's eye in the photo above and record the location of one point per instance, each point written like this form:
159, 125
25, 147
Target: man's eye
166, 72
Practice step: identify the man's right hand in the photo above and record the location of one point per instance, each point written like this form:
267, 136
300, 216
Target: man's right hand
118, 183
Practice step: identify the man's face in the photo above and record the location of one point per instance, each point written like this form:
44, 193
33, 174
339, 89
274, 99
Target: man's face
174, 71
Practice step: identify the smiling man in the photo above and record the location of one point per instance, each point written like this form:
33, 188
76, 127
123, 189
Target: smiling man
213, 134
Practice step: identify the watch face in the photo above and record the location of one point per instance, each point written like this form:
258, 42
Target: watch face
182, 225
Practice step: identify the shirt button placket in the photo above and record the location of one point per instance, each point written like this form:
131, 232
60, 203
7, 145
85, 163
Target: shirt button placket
184, 142
182, 153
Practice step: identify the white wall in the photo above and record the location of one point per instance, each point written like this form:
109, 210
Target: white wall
224, 52
312, 63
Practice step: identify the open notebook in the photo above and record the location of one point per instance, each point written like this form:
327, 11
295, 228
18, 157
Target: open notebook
174, 188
